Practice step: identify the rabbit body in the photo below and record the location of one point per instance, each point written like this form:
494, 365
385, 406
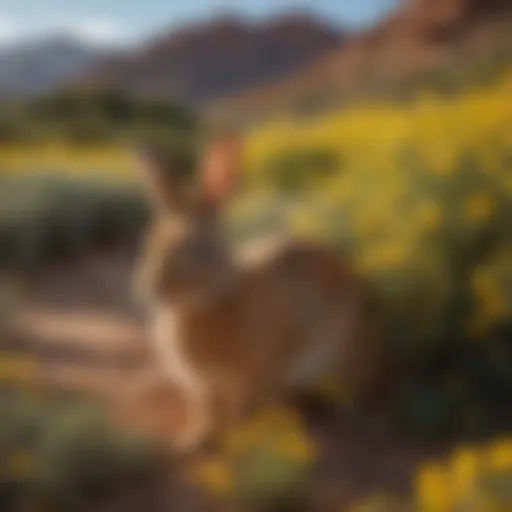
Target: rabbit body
235, 332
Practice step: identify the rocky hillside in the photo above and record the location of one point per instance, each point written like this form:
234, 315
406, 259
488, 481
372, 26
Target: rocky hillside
218, 58
421, 36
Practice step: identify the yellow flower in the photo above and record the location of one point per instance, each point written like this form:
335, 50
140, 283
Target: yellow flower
433, 489
393, 254
480, 207
465, 468
500, 456
494, 304
306, 223
262, 428
242, 439
369, 223
296, 446
214, 475
428, 216
277, 418
492, 300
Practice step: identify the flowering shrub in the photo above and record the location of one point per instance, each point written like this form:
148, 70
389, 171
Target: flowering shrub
265, 462
422, 198
474, 479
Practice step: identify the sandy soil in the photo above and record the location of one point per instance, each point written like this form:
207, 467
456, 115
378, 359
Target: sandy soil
79, 321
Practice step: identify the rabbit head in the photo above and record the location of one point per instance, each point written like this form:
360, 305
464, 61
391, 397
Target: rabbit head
185, 252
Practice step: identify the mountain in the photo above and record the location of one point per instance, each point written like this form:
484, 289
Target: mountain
237, 69
39, 65
210, 60
418, 38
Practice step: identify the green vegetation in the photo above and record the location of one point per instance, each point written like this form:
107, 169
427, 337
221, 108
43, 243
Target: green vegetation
46, 211
91, 117
47, 217
421, 197
60, 456
295, 170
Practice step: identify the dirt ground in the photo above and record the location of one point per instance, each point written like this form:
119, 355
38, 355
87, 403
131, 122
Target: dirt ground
80, 322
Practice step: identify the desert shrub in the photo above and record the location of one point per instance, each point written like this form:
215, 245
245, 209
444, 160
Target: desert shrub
295, 170
89, 130
62, 455
14, 127
421, 199
473, 478
89, 117
114, 106
79, 458
263, 465
47, 216
61, 200
153, 112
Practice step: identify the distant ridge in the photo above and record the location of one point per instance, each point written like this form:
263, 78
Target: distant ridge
215, 59
38, 65
418, 37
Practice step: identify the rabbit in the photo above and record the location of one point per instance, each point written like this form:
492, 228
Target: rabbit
236, 332
149, 404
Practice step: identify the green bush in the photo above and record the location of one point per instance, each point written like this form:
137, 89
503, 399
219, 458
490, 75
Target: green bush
270, 482
62, 455
47, 216
90, 117
297, 170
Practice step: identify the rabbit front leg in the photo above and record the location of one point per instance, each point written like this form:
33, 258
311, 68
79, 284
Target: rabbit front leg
200, 423
176, 365
215, 410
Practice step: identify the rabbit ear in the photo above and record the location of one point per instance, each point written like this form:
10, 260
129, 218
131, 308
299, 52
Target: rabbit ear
220, 168
163, 183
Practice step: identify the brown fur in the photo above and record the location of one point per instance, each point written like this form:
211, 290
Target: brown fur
232, 332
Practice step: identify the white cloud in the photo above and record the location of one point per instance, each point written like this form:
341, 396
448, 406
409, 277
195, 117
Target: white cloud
95, 31
100, 31
9, 29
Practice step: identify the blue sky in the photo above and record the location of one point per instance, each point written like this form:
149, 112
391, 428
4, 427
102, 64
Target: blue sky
127, 21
